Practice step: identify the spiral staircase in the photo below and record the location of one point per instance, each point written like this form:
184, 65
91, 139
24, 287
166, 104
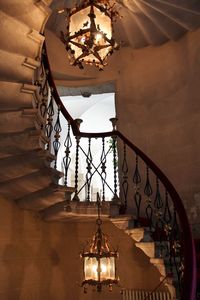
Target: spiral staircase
25, 164
26, 175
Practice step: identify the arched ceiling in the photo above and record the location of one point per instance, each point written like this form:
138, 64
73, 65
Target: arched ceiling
143, 22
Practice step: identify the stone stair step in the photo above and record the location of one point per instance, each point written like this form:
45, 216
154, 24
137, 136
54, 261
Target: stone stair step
72, 209
23, 42
21, 142
35, 12
45, 197
22, 164
17, 68
123, 222
15, 121
159, 264
16, 96
139, 234
148, 248
23, 186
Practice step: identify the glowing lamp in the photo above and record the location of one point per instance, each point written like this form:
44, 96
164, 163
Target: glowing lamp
99, 261
89, 35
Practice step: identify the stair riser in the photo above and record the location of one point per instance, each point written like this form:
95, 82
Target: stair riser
23, 186
22, 42
20, 142
16, 68
18, 123
18, 166
35, 13
13, 99
40, 202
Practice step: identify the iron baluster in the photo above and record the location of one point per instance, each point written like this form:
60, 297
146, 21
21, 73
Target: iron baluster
176, 251
159, 222
115, 164
137, 195
56, 142
148, 192
76, 198
89, 169
67, 158
42, 83
167, 216
96, 170
167, 219
49, 125
125, 178
103, 168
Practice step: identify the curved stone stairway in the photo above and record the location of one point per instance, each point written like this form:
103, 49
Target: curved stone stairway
25, 174
144, 241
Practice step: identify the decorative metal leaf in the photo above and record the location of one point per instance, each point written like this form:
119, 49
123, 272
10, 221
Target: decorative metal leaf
149, 213
148, 189
103, 168
138, 199
158, 203
167, 217
136, 175
67, 158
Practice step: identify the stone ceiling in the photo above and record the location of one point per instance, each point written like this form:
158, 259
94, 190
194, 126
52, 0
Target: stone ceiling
143, 22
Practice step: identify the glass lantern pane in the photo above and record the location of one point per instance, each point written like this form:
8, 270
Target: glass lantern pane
103, 22
112, 268
80, 20
107, 267
90, 268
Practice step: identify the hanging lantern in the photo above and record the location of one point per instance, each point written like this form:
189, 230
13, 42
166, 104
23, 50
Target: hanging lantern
89, 33
99, 261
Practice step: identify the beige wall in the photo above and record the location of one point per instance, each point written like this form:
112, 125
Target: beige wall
159, 110
157, 98
40, 261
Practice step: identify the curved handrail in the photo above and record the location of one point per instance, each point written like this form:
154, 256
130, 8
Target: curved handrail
189, 279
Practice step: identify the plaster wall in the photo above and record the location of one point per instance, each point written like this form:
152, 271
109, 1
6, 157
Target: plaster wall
158, 107
40, 261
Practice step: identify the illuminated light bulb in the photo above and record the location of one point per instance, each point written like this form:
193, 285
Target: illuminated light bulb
98, 37
103, 268
83, 40
60, 11
94, 269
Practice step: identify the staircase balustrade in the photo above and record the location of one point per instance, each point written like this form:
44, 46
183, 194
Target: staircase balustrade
145, 191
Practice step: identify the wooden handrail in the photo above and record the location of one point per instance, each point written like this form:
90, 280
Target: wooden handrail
189, 279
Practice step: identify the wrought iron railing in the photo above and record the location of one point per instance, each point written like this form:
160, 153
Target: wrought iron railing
144, 189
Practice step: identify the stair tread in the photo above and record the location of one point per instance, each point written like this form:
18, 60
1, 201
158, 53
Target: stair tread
19, 165
34, 15
13, 67
23, 186
45, 197
23, 45
65, 209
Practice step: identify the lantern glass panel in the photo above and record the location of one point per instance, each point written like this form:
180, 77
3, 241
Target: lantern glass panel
80, 20
107, 267
103, 22
90, 268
